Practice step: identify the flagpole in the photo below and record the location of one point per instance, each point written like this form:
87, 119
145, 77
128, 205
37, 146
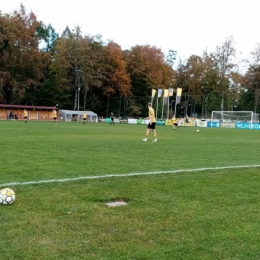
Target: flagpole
162, 105
157, 106
175, 103
168, 105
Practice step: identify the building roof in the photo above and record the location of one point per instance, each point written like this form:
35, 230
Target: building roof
75, 112
27, 107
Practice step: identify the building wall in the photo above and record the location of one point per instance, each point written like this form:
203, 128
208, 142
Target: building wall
3, 114
41, 115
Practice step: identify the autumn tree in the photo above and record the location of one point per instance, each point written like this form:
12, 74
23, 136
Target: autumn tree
171, 57
148, 69
224, 56
252, 83
22, 63
70, 52
117, 80
62, 76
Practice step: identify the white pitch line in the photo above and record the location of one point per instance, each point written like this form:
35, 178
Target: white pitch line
126, 175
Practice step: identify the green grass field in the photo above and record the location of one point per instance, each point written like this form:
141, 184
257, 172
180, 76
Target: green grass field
201, 214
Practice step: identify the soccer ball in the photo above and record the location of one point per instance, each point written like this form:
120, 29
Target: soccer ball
198, 130
7, 196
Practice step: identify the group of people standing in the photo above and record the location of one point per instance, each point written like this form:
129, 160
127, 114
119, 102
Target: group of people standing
152, 123
150, 126
25, 115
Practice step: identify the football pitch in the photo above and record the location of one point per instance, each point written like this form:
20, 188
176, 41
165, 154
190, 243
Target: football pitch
189, 196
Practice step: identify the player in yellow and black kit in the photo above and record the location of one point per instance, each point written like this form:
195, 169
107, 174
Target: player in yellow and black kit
174, 123
151, 125
25, 115
84, 118
55, 116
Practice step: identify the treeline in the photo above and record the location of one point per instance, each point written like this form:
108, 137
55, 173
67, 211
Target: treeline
40, 67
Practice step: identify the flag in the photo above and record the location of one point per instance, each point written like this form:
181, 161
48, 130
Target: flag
178, 95
165, 96
171, 92
159, 92
166, 92
153, 94
165, 100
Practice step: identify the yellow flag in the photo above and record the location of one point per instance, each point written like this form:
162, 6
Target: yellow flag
178, 96
179, 91
166, 92
153, 92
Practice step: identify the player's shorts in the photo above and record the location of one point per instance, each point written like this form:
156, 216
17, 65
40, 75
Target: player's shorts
186, 121
84, 119
25, 117
54, 118
175, 124
151, 125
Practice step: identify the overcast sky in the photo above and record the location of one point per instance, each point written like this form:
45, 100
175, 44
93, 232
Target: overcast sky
187, 26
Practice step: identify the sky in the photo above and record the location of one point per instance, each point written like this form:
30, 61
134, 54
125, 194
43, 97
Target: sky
186, 26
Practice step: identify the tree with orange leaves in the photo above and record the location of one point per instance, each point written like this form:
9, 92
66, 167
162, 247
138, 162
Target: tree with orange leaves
22, 63
117, 80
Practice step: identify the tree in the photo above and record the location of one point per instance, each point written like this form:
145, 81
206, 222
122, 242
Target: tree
252, 79
117, 79
148, 69
69, 55
171, 57
48, 37
224, 60
22, 62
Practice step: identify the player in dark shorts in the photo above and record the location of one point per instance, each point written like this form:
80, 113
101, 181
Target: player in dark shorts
112, 118
84, 118
25, 114
55, 116
174, 123
186, 120
151, 126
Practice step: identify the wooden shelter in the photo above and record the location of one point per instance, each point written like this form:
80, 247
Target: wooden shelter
34, 112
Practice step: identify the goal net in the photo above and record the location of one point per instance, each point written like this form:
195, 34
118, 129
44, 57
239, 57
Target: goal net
230, 118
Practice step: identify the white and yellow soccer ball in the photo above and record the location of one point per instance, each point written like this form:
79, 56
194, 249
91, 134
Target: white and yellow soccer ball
7, 196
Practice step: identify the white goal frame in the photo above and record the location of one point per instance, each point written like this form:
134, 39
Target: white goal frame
229, 118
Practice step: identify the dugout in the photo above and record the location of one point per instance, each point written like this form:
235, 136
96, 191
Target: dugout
72, 115
15, 112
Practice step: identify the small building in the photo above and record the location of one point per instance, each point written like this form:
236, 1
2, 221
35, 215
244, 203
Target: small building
43, 113
72, 115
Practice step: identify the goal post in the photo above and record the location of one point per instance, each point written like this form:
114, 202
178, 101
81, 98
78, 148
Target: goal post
230, 118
